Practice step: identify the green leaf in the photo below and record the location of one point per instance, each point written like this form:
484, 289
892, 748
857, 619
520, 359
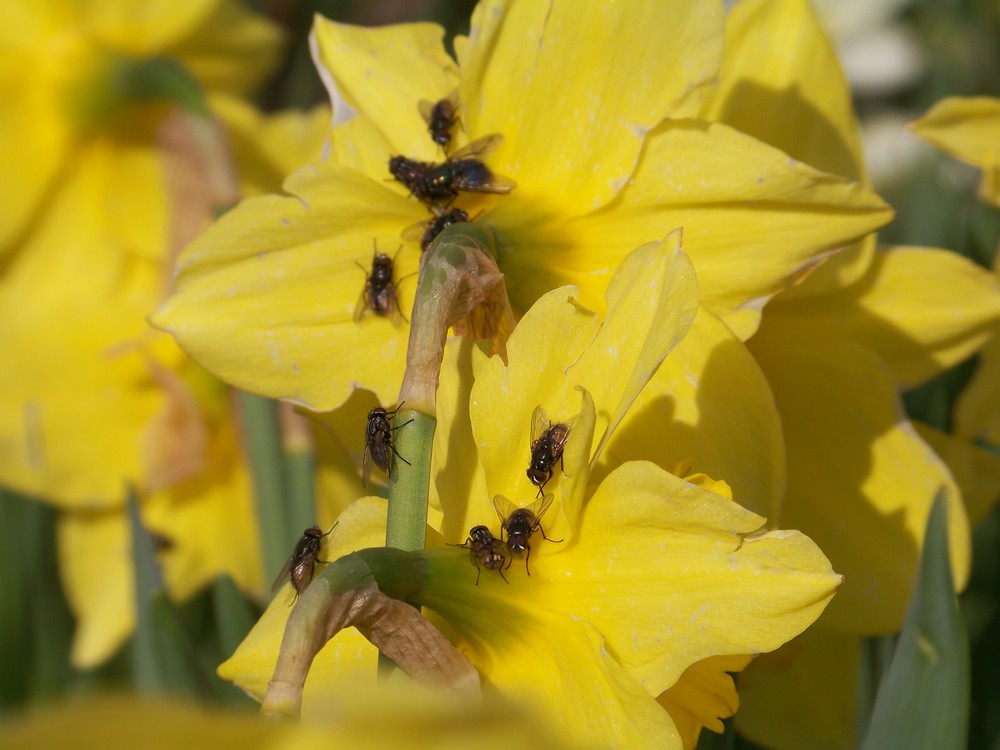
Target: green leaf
163, 654
923, 701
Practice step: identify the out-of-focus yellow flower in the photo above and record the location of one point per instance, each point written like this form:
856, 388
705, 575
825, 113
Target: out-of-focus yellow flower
647, 586
418, 719
969, 129
104, 186
607, 151
836, 350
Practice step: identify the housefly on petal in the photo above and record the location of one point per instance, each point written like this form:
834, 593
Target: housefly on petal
299, 568
440, 116
462, 172
546, 441
427, 231
520, 523
485, 551
379, 442
379, 292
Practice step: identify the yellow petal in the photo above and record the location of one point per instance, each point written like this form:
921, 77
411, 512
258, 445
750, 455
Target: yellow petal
33, 117
969, 129
524, 76
709, 406
95, 293
781, 82
754, 220
921, 310
145, 28
546, 661
267, 148
196, 514
346, 658
855, 462
794, 96
459, 482
553, 334
283, 273
786, 705
652, 300
976, 471
119, 721
95, 551
977, 414
656, 552
703, 695
95, 564
232, 51
383, 73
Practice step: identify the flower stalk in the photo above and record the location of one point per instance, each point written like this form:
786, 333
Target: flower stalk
460, 286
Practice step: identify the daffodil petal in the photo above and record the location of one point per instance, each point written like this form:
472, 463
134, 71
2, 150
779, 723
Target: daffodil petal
736, 198
232, 51
523, 76
554, 333
126, 721
146, 28
977, 413
265, 298
709, 405
703, 695
94, 296
652, 302
854, 462
95, 556
383, 73
665, 572
921, 309
781, 82
785, 707
977, 471
32, 118
552, 663
194, 515
968, 129
345, 658
269, 147
459, 485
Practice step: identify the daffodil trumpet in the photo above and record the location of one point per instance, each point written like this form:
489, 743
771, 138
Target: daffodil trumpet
459, 286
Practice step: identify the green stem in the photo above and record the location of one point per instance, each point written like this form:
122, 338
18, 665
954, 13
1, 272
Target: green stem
409, 483
263, 439
459, 283
300, 468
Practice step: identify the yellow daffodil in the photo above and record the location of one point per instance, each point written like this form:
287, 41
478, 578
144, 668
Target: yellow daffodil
101, 192
836, 351
644, 585
607, 151
969, 129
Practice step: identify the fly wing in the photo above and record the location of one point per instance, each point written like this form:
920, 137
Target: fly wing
497, 183
415, 232
539, 507
366, 466
539, 424
283, 575
504, 508
426, 108
479, 148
